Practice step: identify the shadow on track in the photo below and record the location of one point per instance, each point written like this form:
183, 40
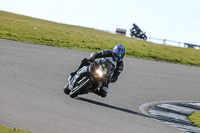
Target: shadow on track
166, 119
112, 107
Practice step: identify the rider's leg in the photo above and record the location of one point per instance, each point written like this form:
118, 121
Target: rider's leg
102, 91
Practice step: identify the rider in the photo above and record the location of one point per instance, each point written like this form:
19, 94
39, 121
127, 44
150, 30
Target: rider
138, 30
114, 56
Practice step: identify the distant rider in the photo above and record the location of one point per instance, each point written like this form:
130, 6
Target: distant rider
115, 57
138, 30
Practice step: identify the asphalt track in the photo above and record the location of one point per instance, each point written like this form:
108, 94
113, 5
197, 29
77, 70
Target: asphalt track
31, 92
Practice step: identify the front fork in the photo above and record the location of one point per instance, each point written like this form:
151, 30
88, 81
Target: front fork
78, 77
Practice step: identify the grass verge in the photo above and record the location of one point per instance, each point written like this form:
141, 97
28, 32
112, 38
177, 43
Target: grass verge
11, 130
32, 30
195, 118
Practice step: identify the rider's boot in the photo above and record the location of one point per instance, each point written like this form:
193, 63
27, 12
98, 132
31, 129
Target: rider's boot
102, 91
73, 73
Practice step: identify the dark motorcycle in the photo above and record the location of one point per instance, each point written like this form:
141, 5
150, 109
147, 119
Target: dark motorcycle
89, 78
138, 33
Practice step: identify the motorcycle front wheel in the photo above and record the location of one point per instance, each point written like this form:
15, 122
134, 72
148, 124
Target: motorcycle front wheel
66, 89
144, 37
80, 89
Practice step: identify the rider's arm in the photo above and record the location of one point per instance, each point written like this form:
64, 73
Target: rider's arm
102, 54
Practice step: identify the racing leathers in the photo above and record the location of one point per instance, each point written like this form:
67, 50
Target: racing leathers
103, 90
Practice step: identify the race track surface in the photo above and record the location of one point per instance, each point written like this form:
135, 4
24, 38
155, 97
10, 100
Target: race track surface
31, 92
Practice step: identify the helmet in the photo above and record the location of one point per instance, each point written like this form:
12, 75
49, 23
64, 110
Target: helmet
119, 52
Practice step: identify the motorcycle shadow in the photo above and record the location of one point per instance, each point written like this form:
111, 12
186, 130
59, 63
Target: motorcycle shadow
112, 107
165, 119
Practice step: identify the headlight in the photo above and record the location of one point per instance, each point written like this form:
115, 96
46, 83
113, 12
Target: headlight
99, 72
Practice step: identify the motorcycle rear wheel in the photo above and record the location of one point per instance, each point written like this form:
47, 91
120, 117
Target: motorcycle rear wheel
80, 89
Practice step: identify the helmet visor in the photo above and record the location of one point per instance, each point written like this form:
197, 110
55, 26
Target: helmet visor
118, 55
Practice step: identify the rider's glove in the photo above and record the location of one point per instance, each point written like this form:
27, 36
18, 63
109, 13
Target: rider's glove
91, 60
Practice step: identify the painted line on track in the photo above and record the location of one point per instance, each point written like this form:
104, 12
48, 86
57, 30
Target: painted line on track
174, 113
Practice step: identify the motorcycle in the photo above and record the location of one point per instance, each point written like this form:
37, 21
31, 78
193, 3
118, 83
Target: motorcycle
138, 33
89, 78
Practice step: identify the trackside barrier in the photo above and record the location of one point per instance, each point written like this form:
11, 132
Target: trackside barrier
164, 41
172, 43
191, 45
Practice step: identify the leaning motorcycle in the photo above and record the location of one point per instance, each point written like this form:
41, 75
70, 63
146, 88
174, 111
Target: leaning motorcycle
138, 34
89, 78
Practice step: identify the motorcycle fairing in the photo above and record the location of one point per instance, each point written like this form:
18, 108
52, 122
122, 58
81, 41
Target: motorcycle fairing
79, 74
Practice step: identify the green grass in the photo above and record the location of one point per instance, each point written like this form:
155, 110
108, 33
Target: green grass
195, 118
11, 130
22, 28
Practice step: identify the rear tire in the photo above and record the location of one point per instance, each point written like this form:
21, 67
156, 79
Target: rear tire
66, 89
80, 89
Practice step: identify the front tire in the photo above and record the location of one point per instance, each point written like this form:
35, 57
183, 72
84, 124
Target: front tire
144, 37
66, 89
80, 89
